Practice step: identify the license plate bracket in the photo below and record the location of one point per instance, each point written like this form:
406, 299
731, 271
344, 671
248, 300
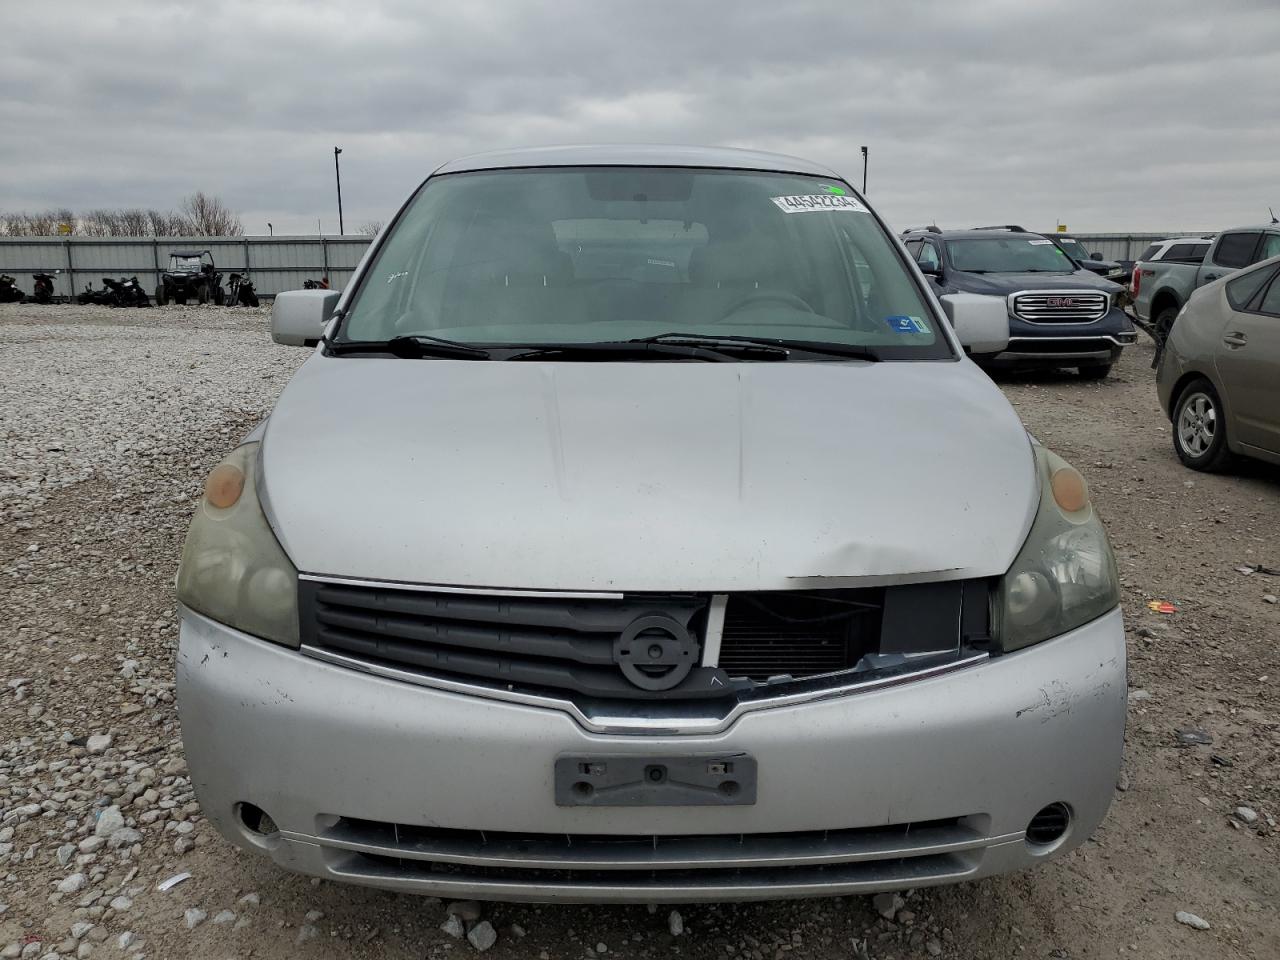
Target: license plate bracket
631, 781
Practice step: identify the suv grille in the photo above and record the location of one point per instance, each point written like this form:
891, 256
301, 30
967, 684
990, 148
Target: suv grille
1064, 306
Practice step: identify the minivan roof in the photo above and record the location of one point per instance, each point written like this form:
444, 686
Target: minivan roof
640, 155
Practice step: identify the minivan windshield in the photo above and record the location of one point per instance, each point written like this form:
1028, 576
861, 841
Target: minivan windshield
1013, 254
583, 255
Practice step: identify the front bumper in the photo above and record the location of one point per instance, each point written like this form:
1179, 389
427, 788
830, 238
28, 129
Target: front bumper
1066, 344
394, 785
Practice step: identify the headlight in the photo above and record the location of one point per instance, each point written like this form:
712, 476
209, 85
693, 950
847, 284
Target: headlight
1065, 574
233, 569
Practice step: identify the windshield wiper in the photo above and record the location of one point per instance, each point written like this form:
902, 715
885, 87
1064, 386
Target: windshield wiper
606, 350
778, 345
412, 347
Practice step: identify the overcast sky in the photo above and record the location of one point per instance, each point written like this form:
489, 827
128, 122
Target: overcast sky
1105, 116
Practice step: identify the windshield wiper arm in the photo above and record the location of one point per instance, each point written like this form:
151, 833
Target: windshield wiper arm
753, 347
769, 345
604, 350
412, 347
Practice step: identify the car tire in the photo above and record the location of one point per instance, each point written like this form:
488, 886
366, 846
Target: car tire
219, 296
1094, 371
1200, 428
161, 299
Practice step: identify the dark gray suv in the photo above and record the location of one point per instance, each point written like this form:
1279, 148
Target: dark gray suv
1059, 314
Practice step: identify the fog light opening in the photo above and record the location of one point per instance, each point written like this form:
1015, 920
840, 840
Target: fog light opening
256, 820
1049, 825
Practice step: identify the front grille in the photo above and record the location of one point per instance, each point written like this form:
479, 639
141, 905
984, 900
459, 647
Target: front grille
376, 851
548, 643
669, 886
769, 635
1064, 306
597, 651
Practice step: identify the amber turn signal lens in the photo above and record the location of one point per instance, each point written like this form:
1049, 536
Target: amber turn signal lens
1069, 490
224, 485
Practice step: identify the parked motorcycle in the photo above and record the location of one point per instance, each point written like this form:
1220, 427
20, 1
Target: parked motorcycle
128, 293
9, 292
43, 292
240, 291
105, 297
116, 293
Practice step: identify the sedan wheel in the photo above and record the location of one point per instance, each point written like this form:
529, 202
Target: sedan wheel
1199, 428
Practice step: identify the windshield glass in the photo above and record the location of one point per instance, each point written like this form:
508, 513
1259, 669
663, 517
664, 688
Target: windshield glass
1011, 254
578, 255
1074, 247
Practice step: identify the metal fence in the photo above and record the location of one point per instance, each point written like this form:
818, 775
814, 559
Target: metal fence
283, 263
273, 263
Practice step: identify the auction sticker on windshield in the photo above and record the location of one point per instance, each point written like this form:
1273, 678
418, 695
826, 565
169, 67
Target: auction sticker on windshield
819, 202
902, 324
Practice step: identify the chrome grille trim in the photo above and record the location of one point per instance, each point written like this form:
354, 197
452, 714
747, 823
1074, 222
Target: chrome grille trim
558, 851
477, 591
670, 886
1048, 306
650, 722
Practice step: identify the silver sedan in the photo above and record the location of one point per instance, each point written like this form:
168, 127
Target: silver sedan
1219, 375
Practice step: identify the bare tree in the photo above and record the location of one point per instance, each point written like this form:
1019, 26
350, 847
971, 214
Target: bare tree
44, 223
201, 215
165, 223
210, 217
132, 222
370, 228
101, 223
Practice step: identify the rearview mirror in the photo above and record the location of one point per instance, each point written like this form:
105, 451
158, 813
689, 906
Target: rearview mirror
1095, 255
298, 316
981, 323
930, 268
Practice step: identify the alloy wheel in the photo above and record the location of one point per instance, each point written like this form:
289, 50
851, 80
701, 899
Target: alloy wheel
1197, 424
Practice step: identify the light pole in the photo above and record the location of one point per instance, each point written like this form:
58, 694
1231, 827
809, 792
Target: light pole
271, 231
337, 176
864, 170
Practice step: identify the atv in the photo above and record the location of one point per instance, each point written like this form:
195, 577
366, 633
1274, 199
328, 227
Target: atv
9, 293
191, 273
240, 291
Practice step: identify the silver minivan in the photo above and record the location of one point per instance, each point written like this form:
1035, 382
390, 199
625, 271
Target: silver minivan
638, 530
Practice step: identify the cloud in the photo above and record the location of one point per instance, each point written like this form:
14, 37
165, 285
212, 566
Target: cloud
1104, 116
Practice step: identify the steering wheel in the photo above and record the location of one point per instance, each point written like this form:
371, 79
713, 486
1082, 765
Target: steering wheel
786, 299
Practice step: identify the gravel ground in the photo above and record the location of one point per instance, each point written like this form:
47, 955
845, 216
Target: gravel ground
109, 421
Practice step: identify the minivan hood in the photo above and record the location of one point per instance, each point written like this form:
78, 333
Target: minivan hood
646, 476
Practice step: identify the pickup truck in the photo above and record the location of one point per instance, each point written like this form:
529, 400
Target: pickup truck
1161, 288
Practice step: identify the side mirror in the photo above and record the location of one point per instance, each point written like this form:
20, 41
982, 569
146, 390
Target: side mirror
298, 317
930, 269
1095, 255
981, 323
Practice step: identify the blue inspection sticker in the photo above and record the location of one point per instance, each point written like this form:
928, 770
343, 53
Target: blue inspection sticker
904, 324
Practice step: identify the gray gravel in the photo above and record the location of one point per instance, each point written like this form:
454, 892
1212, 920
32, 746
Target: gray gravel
109, 421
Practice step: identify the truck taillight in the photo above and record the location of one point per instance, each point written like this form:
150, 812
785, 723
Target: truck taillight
1137, 279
